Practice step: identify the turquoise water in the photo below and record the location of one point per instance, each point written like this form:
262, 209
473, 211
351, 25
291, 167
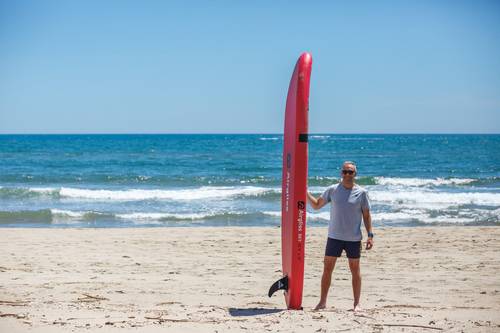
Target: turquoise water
219, 180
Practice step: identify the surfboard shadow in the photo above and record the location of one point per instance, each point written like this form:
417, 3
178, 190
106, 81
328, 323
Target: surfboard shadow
239, 312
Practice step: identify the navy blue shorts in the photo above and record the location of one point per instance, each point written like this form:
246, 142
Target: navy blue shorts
334, 248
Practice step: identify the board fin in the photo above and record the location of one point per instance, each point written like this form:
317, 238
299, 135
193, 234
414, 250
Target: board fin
281, 284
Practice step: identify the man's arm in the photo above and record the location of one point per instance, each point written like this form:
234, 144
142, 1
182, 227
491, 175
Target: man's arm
367, 219
316, 203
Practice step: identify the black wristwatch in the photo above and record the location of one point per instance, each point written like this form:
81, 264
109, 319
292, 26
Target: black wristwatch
370, 235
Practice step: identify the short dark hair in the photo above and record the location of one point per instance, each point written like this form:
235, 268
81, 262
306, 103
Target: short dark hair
353, 164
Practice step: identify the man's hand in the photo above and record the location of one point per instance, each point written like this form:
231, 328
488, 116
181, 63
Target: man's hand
369, 243
315, 203
367, 219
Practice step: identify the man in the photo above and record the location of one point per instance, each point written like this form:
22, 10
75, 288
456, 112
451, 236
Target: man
349, 202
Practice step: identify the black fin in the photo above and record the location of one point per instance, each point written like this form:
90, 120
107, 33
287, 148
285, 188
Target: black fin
281, 284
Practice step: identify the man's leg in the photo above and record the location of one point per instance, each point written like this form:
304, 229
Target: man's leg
329, 265
356, 280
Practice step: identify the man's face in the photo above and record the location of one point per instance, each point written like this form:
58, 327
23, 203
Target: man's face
348, 172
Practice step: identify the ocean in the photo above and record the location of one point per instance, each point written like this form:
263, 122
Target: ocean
59, 181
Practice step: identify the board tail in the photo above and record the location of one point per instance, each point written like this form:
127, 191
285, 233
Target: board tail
281, 284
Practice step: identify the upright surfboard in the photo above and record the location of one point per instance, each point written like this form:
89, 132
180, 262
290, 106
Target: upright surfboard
294, 185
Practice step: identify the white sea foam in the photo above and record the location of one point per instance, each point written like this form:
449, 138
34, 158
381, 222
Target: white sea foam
270, 139
162, 216
272, 213
317, 190
320, 137
207, 192
428, 216
423, 198
467, 217
43, 190
417, 215
402, 215
66, 213
60, 214
421, 181
316, 216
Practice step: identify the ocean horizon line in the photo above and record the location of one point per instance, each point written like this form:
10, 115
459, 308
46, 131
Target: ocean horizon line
245, 133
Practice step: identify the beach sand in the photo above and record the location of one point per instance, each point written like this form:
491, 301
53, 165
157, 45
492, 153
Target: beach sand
216, 280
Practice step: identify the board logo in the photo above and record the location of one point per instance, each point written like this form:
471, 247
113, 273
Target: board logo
300, 221
288, 160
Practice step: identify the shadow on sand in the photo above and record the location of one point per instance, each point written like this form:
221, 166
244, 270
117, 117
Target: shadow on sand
235, 312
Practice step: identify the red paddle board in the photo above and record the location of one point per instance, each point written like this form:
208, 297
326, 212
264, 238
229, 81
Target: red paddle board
294, 184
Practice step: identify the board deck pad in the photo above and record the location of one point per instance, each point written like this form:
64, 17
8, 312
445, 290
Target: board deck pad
294, 182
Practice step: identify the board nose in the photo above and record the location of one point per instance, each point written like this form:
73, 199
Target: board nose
306, 57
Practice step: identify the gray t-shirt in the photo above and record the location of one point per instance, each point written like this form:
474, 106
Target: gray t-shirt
345, 211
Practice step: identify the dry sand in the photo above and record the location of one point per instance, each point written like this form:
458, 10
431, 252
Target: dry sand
216, 280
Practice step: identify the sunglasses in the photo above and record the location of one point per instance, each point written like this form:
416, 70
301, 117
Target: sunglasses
347, 172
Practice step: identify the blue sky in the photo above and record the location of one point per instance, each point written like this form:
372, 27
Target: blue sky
224, 66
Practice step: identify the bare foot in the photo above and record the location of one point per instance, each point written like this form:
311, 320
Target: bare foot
357, 308
320, 306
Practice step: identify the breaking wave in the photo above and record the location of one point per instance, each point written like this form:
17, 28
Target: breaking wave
206, 192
